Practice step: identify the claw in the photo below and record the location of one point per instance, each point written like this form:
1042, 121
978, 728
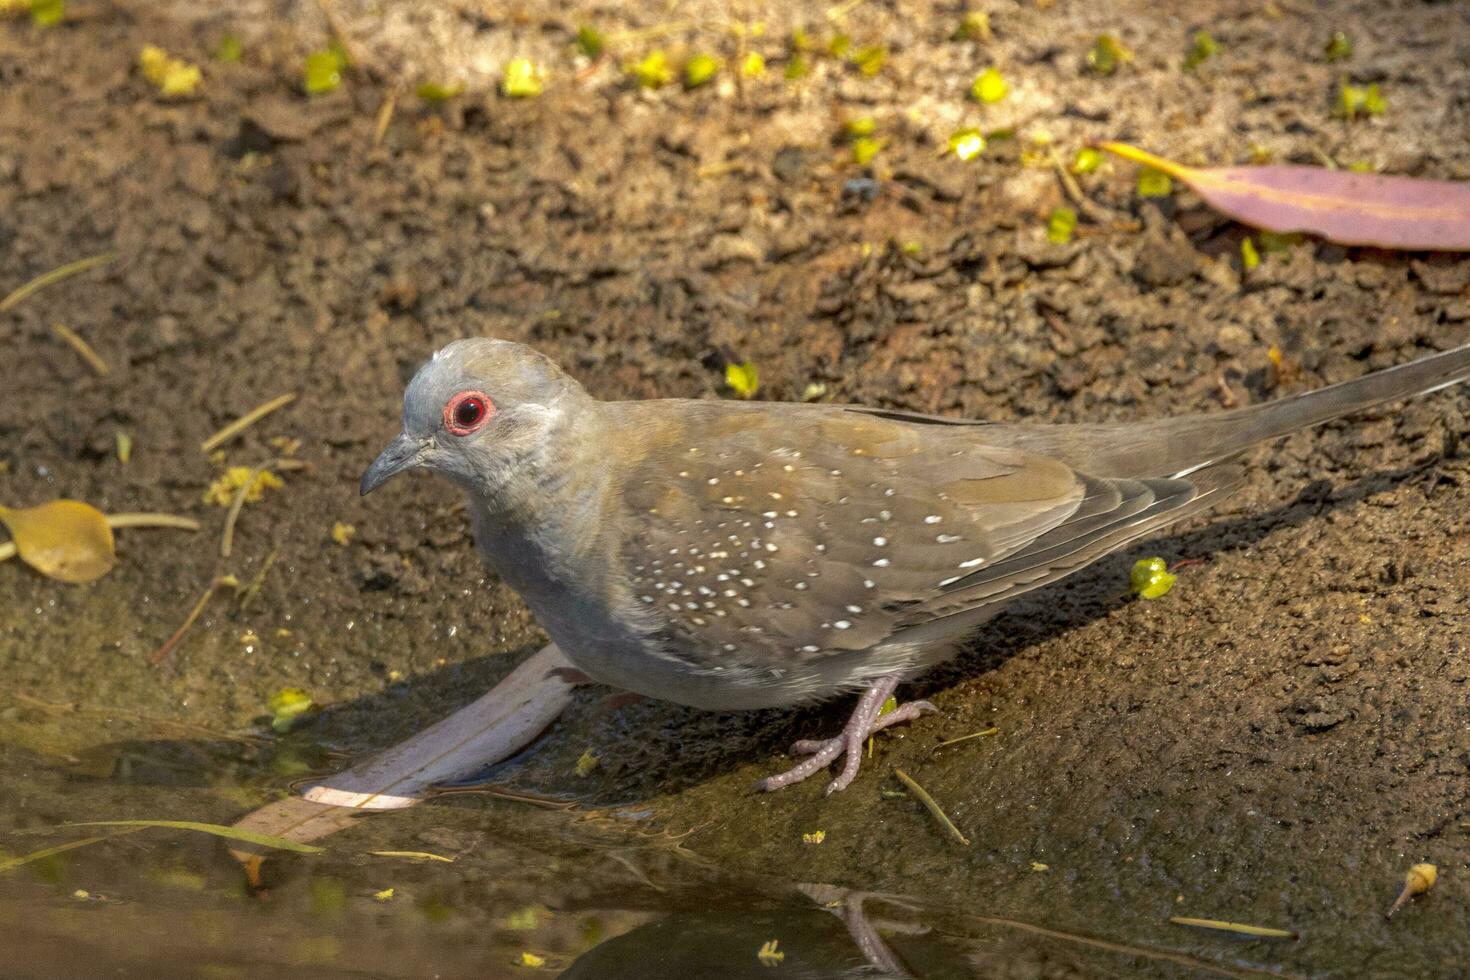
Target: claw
865, 720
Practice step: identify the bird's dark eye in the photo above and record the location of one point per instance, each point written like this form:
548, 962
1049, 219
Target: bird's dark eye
467, 412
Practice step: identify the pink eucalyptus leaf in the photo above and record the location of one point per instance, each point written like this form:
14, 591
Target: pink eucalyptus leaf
1338, 205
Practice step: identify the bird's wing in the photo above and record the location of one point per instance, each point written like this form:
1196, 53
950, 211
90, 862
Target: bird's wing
757, 544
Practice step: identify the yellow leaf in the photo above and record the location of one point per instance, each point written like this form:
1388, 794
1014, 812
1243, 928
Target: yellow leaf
66, 539
522, 79
384, 895
744, 379
531, 959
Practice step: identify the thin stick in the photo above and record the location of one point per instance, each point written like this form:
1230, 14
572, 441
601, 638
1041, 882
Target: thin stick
244, 422
161, 654
932, 807
385, 117
1263, 932
54, 276
1073, 190
966, 738
93, 359
115, 521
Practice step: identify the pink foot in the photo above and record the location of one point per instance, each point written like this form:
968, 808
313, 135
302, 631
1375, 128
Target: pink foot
865, 720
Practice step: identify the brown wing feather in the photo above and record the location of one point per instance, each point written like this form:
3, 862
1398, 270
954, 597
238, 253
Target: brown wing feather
767, 552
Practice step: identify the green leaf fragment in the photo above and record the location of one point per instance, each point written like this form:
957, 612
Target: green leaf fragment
586, 763
754, 65
1151, 578
1154, 183
989, 86
522, 79
1339, 47
653, 70
1086, 161
864, 149
743, 379
1060, 225
1353, 101
323, 72
1203, 49
1107, 54
870, 59
700, 70
230, 48
1249, 257
974, 26
590, 41
967, 144
47, 13
838, 45
797, 67
1272, 241
287, 706
439, 91
860, 126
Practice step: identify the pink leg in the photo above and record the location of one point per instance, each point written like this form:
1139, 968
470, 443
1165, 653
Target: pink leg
864, 721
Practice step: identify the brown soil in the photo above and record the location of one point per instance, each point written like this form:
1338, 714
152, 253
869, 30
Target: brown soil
1276, 741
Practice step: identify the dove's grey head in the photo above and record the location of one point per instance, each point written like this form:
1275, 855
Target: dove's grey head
484, 413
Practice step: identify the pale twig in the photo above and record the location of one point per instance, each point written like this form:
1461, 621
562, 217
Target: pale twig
1240, 928
244, 422
84, 349
54, 276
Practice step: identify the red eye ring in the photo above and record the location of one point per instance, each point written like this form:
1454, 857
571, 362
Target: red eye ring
468, 412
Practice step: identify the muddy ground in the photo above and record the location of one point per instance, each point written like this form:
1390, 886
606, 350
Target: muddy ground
1274, 742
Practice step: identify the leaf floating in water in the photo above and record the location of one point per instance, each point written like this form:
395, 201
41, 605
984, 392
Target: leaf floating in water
287, 706
1341, 206
66, 539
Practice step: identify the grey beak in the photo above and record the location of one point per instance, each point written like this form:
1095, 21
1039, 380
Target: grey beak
402, 453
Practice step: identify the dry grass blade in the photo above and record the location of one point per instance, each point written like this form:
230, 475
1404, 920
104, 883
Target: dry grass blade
385, 118
244, 422
965, 738
54, 276
161, 654
45, 852
413, 856
215, 829
83, 349
932, 807
227, 539
1239, 928
252, 588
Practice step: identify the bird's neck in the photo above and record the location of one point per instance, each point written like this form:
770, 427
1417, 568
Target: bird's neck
541, 529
